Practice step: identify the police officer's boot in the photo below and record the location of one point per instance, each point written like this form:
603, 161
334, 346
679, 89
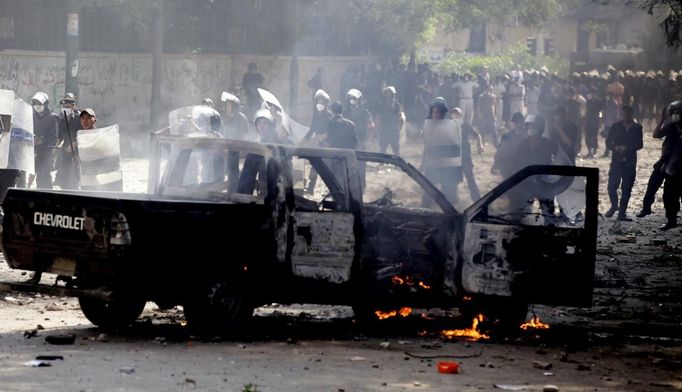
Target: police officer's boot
670, 224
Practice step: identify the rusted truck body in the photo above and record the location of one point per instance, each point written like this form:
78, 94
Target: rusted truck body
227, 226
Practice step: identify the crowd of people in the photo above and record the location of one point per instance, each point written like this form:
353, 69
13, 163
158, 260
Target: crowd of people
529, 116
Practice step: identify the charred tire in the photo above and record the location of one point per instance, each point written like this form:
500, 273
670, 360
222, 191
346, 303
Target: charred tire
218, 309
501, 314
118, 312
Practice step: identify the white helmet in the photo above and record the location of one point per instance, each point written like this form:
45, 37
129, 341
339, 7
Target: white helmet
321, 94
354, 93
227, 97
40, 97
263, 113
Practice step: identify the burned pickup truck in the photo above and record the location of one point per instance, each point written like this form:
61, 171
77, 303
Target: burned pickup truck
227, 226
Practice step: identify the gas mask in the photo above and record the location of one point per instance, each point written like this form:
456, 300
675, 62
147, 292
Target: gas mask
39, 108
67, 111
354, 102
675, 117
319, 107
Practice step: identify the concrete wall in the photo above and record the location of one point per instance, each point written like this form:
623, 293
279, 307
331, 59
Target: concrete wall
118, 86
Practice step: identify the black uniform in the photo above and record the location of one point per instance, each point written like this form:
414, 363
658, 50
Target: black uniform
45, 128
68, 171
390, 122
672, 190
341, 134
623, 168
236, 127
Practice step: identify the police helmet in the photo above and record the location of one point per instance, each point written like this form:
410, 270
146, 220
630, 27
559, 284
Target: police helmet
440, 104
354, 94
227, 97
40, 97
263, 113
675, 107
390, 89
68, 98
321, 94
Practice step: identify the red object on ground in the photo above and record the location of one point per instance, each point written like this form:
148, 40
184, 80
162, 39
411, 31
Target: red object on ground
448, 367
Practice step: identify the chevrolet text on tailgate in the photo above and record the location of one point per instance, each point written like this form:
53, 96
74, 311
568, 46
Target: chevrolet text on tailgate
227, 226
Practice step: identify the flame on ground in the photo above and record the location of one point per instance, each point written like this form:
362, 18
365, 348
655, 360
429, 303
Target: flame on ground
403, 312
408, 281
471, 333
534, 323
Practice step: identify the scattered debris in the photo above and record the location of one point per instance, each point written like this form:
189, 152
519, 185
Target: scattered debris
40, 327
548, 374
358, 359
53, 307
127, 370
510, 387
31, 333
37, 363
102, 338
191, 382
583, 367
550, 388
448, 367
49, 357
658, 241
385, 344
10, 299
627, 239
418, 356
61, 339
542, 365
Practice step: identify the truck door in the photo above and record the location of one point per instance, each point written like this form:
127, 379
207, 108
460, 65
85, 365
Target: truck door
534, 237
323, 225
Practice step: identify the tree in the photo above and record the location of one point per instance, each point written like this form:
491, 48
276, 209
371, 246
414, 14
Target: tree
670, 11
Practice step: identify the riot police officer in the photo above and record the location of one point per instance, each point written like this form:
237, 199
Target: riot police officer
68, 161
45, 128
672, 190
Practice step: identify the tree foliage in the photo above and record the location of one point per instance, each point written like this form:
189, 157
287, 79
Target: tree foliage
670, 13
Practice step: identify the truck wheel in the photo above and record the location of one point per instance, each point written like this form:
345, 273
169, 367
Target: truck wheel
502, 315
219, 309
118, 312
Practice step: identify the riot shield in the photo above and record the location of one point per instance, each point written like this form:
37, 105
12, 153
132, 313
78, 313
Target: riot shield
442, 143
295, 130
6, 112
192, 121
16, 151
100, 156
6, 109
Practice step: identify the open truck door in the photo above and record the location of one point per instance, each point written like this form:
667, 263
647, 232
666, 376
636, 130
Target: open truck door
533, 237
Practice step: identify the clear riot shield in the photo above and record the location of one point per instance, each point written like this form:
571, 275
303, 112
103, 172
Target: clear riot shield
18, 148
6, 112
191, 121
442, 143
295, 130
556, 199
100, 156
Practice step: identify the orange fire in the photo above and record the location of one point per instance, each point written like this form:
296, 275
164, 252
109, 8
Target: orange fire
469, 333
534, 323
403, 312
424, 285
408, 281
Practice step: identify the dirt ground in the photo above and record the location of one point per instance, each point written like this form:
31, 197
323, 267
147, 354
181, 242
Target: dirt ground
628, 341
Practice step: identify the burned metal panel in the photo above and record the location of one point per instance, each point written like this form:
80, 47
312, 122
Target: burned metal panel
546, 265
486, 269
324, 246
402, 242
